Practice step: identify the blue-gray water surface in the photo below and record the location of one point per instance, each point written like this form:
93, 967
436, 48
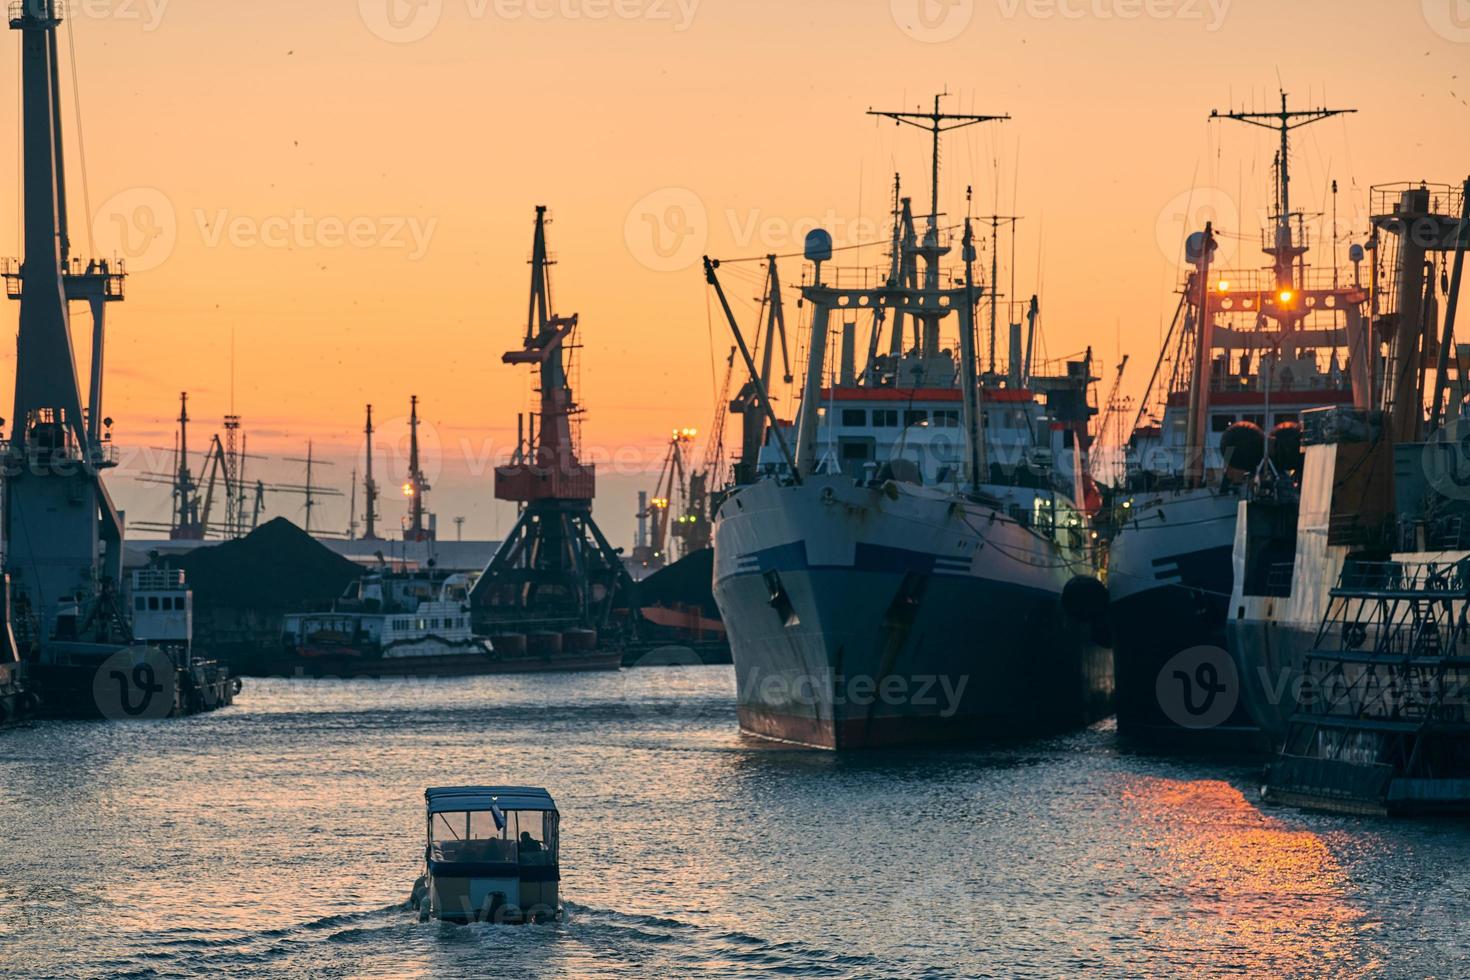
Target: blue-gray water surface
281, 838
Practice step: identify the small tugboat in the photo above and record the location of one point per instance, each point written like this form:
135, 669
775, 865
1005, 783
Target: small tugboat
420, 623
491, 856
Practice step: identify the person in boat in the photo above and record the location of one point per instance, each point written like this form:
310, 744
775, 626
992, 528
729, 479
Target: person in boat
529, 843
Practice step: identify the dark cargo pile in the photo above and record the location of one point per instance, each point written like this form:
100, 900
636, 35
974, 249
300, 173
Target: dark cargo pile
277, 567
243, 589
688, 582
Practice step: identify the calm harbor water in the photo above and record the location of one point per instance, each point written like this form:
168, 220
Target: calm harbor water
281, 838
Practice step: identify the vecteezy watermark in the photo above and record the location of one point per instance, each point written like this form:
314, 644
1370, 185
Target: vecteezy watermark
1446, 461
943, 693
139, 225
1186, 213
1210, 13
303, 230
665, 684
392, 454
135, 684
932, 897
1198, 687
669, 230
932, 21
408, 21
147, 13
1450, 19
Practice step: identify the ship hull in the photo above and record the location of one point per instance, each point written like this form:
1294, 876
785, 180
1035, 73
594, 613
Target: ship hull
79, 680
1271, 657
17, 702
864, 619
1170, 576
453, 665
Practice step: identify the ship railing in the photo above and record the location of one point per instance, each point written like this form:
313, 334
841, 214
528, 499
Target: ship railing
1444, 199
1405, 579
159, 580
1312, 279
20, 10
860, 277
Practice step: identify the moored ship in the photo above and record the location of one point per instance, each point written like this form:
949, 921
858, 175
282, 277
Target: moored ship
899, 577
1381, 485
1248, 351
420, 624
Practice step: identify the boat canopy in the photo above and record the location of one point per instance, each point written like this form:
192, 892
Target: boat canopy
469, 799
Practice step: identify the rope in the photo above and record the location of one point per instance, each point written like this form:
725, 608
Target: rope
76, 92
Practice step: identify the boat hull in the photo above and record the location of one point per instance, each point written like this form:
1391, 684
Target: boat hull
1271, 658
453, 665
79, 680
854, 623
1170, 575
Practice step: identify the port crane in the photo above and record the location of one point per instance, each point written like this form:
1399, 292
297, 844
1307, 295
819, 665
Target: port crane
555, 563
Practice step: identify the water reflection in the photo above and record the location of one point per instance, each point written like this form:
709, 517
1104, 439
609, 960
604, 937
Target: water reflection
1224, 878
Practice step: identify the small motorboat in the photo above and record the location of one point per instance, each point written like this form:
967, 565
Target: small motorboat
491, 856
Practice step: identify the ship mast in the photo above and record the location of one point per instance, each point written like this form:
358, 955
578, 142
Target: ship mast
416, 486
1285, 250
935, 123
370, 486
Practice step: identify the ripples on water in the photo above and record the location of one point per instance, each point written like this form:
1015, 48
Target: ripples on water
281, 838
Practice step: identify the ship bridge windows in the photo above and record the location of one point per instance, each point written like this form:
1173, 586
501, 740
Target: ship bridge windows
885, 418
946, 417
855, 418
1219, 423
915, 416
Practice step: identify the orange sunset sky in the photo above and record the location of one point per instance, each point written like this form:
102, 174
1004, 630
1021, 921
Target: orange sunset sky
346, 188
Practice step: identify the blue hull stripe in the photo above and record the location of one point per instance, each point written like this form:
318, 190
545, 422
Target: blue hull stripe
868, 558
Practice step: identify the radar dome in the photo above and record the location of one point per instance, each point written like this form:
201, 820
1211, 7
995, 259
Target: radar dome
818, 245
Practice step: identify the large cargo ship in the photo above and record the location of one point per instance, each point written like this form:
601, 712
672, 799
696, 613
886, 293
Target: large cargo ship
1248, 351
899, 577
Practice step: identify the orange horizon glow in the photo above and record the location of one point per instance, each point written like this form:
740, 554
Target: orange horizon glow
327, 206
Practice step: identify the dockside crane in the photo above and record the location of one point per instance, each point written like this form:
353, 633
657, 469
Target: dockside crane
555, 564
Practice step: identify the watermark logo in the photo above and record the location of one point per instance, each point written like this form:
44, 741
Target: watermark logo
667, 230
1186, 213
1198, 687
303, 230
135, 684
139, 225
1450, 19
1210, 13
401, 21
932, 21
665, 685
393, 453
1446, 461
409, 21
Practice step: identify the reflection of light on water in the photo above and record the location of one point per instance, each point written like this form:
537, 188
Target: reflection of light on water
1230, 881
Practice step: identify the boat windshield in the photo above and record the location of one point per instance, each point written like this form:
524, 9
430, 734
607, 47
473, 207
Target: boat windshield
526, 837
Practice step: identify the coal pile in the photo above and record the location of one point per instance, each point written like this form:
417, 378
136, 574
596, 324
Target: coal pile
243, 590
276, 567
688, 582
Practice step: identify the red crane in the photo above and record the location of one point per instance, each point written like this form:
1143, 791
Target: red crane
555, 563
